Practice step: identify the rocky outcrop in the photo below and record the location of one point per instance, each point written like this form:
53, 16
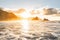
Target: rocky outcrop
4, 15
45, 19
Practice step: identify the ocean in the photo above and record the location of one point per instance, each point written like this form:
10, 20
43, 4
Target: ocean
29, 30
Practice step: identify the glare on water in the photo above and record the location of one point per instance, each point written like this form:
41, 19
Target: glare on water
25, 25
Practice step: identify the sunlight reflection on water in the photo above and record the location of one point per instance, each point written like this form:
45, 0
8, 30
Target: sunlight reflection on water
25, 25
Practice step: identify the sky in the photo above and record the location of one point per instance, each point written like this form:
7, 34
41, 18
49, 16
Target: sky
29, 4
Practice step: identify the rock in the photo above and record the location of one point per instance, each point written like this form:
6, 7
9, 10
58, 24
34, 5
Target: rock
4, 15
35, 18
45, 19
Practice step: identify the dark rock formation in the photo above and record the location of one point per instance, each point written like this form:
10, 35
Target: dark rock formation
36, 18
45, 19
4, 15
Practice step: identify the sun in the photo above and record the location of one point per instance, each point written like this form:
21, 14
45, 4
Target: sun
25, 15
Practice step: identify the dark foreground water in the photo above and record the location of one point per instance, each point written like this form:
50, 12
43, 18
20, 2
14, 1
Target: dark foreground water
35, 30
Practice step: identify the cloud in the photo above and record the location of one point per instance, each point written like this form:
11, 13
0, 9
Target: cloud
49, 11
21, 10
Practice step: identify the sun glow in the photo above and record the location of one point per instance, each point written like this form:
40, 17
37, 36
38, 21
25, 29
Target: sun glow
25, 15
24, 21
41, 16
